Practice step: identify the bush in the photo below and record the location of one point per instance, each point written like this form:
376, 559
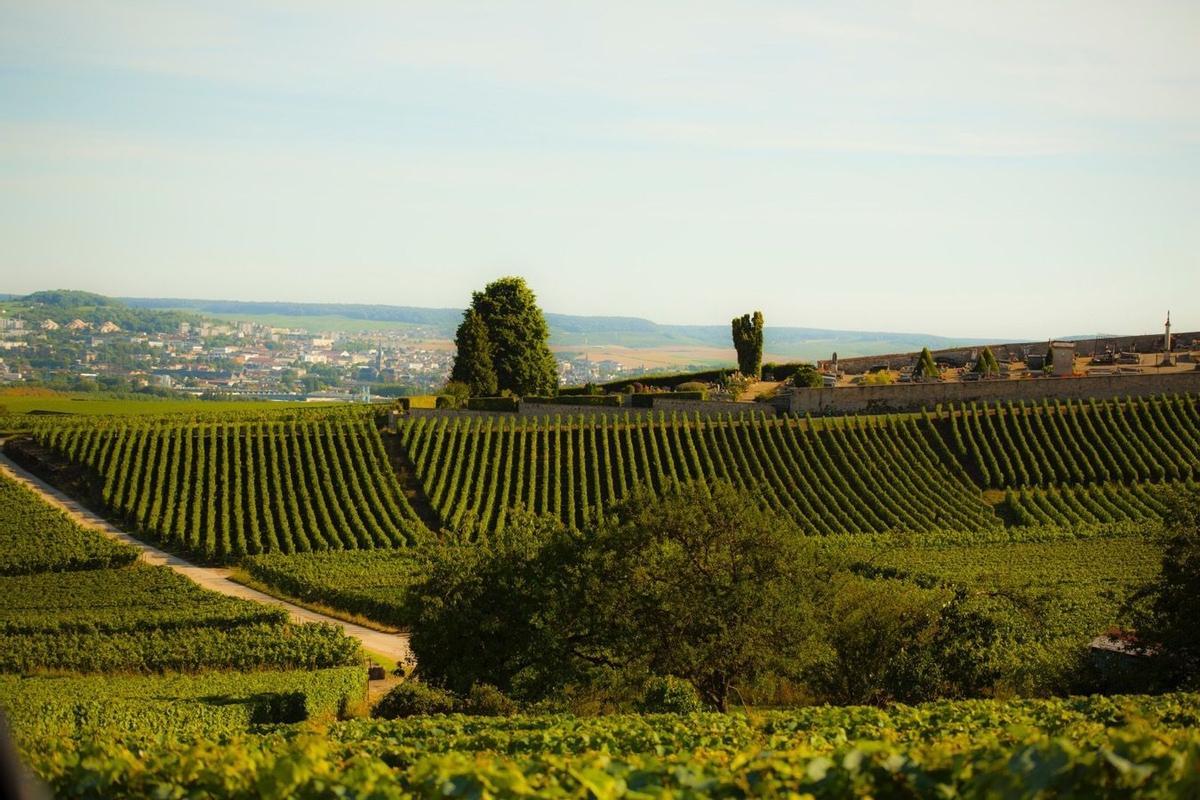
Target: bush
643, 399
1169, 625
700, 583
660, 381
781, 372
807, 376
413, 699
485, 700
421, 401
459, 391
493, 404
670, 695
736, 384
692, 386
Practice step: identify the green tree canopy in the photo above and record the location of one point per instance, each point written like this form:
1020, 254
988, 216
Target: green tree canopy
473, 362
1170, 626
748, 341
700, 584
517, 333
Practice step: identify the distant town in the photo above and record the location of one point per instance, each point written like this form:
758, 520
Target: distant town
208, 358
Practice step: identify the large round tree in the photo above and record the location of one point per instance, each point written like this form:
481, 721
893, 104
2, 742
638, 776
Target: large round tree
517, 334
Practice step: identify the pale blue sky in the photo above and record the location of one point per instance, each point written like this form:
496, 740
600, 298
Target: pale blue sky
1018, 169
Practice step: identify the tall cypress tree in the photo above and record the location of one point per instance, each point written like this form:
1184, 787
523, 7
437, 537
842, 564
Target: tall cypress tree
748, 341
519, 337
473, 364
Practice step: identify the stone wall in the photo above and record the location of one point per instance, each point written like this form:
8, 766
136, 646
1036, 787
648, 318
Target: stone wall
1143, 343
706, 408
913, 397
532, 410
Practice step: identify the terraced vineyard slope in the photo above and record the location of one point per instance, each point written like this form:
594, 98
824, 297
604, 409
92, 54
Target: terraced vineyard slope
1078, 462
111, 613
851, 474
289, 483
1047, 464
322, 480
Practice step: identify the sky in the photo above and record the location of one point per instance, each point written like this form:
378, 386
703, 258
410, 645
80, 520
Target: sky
1012, 170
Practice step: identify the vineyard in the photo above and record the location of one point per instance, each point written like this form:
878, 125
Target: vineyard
60, 545
89, 607
369, 583
1015, 445
1057, 464
43, 709
1037, 515
1083, 747
223, 489
223, 486
830, 476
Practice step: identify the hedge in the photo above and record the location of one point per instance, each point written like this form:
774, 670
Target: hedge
781, 372
418, 401
493, 404
612, 400
659, 381
646, 399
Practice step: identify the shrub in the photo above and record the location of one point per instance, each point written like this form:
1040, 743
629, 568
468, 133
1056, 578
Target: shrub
736, 384
702, 395
485, 700
808, 376
1168, 625
458, 392
644, 382
667, 694
642, 400
445, 401
413, 699
419, 401
781, 372
692, 386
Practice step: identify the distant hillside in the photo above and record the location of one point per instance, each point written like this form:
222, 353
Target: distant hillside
64, 305
568, 330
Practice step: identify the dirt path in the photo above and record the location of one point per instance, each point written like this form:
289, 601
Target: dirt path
392, 645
